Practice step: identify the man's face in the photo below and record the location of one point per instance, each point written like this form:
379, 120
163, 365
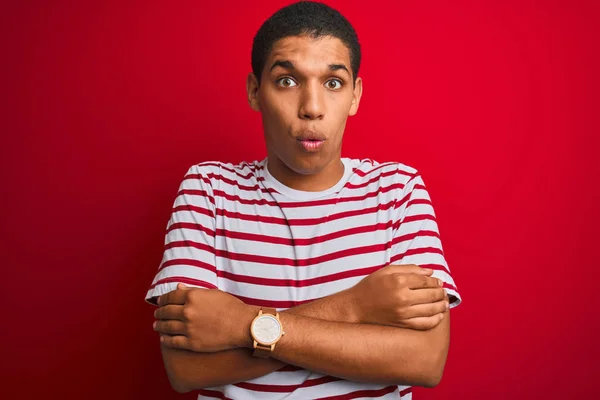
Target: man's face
305, 96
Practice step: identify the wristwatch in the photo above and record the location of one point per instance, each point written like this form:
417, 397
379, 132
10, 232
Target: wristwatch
266, 330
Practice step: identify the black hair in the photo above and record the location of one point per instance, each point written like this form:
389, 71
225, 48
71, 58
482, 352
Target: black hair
304, 18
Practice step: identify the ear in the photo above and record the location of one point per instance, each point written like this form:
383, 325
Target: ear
252, 90
356, 94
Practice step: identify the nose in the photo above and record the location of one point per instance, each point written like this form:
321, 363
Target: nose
312, 104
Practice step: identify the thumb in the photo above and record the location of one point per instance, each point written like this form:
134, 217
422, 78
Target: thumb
182, 286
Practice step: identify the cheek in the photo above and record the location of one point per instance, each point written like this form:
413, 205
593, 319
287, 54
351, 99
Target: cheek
275, 110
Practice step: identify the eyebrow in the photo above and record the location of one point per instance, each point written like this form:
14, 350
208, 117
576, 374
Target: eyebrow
286, 64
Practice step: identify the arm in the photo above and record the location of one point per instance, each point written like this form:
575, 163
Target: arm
365, 303
365, 352
189, 370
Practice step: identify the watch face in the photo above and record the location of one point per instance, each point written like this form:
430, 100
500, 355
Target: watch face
266, 329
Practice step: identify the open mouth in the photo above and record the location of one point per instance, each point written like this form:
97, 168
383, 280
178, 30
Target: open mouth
311, 144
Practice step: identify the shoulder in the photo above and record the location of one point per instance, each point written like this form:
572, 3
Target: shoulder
371, 170
214, 172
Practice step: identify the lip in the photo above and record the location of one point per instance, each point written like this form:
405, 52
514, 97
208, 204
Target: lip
311, 145
310, 136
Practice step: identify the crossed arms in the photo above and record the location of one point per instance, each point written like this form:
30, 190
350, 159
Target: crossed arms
390, 328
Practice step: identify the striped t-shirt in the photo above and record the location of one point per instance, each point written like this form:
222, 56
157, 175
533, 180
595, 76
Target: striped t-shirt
236, 228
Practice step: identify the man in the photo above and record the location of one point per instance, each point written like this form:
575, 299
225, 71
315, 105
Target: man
305, 275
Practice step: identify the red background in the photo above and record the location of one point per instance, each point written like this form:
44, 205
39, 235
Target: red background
108, 103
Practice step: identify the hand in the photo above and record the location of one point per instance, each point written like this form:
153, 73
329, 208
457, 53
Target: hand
405, 296
202, 320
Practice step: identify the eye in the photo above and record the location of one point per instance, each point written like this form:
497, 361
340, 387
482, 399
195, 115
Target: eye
286, 82
333, 84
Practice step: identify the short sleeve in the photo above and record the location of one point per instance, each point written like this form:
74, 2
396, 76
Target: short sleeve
417, 238
189, 253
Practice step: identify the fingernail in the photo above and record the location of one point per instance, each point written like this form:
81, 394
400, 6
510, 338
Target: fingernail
162, 339
440, 282
154, 324
447, 305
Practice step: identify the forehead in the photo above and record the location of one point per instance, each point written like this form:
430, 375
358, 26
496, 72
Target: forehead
305, 51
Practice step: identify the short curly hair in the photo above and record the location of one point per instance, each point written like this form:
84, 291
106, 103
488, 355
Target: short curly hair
304, 18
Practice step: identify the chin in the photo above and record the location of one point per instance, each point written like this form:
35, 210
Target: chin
306, 167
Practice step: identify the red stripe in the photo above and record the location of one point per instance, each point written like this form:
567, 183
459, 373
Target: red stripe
412, 236
417, 251
350, 185
407, 197
188, 262
307, 241
419, 217
305, 221
300, 204
449, 286
367, 195
353, 395
190, 225
238, 199
206, 179
354, 251
297, 222
435, 267
305, 262
286, 388
189, 243
183, 279
197, 192
234, 170
389, 164
291, 262
239, 185
302, 242
212, 393
299, 283
196, 209
362, 393
418, 201
289, 368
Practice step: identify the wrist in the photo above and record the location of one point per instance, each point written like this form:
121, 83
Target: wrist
352, 309
243, 338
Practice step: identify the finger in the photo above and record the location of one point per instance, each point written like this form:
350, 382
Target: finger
182, 286
409, 269
169, 312
426, 296
169, 327
175, 342
425, 310
173, 297
423, 323
422, 282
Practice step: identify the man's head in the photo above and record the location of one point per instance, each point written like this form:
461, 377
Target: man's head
305, 61
313, 19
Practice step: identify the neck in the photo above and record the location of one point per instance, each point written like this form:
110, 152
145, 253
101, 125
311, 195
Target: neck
319, 181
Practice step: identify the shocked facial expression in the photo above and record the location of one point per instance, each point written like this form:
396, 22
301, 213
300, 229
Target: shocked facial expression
305, 97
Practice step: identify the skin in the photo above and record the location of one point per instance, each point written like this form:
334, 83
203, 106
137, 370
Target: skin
299, 95
399, 335
199, 345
